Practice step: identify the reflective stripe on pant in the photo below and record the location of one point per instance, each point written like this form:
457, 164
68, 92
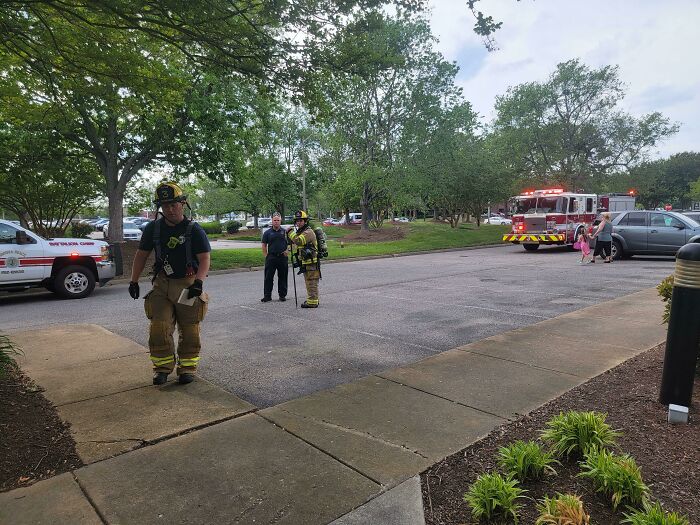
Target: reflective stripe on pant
165, 314
311, 278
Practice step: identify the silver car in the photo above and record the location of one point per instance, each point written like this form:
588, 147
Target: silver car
652, 233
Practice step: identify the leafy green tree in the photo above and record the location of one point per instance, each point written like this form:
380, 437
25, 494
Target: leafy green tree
569, 129
666, 181
396, 79
43, 179
130, 79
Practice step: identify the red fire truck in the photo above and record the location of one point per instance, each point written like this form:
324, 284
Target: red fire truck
556, 217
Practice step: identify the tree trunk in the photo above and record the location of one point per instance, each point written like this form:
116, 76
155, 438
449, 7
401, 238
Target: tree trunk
23, 219
365, 203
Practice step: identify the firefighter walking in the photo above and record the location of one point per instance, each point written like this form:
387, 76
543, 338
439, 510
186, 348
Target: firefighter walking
182, 258
305, 247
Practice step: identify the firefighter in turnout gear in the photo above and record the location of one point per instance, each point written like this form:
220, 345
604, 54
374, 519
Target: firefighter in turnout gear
182, 261
304, 241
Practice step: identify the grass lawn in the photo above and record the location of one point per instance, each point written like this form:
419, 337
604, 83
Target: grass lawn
422, 236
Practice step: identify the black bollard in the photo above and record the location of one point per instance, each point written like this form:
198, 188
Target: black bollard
683, 339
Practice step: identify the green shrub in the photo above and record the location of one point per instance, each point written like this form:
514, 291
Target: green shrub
8, 350
653, 514
665, 289
523, 460
564, 509
80, 230
211, 227
493, 496
616, 476
576, 432
232, 226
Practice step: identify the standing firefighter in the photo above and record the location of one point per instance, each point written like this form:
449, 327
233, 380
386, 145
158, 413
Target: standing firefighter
181, 265
306, 256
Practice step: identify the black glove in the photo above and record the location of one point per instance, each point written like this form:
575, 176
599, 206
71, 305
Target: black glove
195, 290
134, 290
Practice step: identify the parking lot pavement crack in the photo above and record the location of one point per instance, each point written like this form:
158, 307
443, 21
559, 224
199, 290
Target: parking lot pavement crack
467, 306
356, 432
330, 324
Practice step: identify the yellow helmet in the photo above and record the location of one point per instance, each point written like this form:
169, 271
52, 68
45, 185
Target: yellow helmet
168, 191
301, 214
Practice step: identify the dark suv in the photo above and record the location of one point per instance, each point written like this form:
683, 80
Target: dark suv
641, 232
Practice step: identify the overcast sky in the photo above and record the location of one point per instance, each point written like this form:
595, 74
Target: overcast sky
656, 44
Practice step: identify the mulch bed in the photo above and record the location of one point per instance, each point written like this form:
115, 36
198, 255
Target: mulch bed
669, 455
394, 233
35, 444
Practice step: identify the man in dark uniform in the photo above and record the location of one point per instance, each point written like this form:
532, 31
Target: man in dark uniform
181, 265
274, 248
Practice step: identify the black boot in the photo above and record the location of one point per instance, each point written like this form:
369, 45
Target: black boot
184, 379
160, 378
307, 305
283, 299
266, 299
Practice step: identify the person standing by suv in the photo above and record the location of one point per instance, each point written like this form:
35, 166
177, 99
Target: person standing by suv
181, 265
603, 236
274, 248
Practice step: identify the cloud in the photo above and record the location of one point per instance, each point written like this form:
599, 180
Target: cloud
655, 44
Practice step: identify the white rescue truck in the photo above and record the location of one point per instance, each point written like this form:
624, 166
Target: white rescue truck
67, 267
556, 217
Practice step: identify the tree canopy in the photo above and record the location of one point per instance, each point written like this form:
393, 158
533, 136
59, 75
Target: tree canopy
570, 129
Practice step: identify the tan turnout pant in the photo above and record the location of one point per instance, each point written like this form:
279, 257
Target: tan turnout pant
311, 278
165, 313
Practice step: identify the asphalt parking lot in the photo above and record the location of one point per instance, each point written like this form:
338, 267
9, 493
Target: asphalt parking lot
375, 314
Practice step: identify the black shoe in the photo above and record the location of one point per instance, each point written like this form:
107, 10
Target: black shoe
184, 379
283, 299
160, 378
266, 299
307, 305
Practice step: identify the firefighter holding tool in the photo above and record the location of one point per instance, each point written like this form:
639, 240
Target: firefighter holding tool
303, 240
182, 258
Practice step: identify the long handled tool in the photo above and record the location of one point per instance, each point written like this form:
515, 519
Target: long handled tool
294, 280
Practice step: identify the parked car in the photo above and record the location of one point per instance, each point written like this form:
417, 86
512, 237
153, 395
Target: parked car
262, 222
355, 218
638, 232
695, 215
498, 219
99, 224
131, 231
330, 221
400, 219
138, 221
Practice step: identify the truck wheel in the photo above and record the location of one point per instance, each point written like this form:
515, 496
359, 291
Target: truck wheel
616, 250
531, 247
74, 282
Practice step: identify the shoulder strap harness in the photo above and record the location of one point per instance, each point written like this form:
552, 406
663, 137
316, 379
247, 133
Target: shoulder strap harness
158, 266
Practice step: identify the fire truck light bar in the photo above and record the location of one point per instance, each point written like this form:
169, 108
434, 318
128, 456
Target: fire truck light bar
550, 191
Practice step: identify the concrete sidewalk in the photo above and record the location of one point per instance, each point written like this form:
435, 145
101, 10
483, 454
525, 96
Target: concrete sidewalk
197, 454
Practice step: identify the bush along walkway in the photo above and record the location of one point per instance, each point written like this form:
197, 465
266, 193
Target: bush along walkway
602, 453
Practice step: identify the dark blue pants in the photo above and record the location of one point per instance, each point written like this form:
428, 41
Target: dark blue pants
280, 264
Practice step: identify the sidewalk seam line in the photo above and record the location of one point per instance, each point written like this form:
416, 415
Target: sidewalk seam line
444, 398
460, 349
325, 452
90, 501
